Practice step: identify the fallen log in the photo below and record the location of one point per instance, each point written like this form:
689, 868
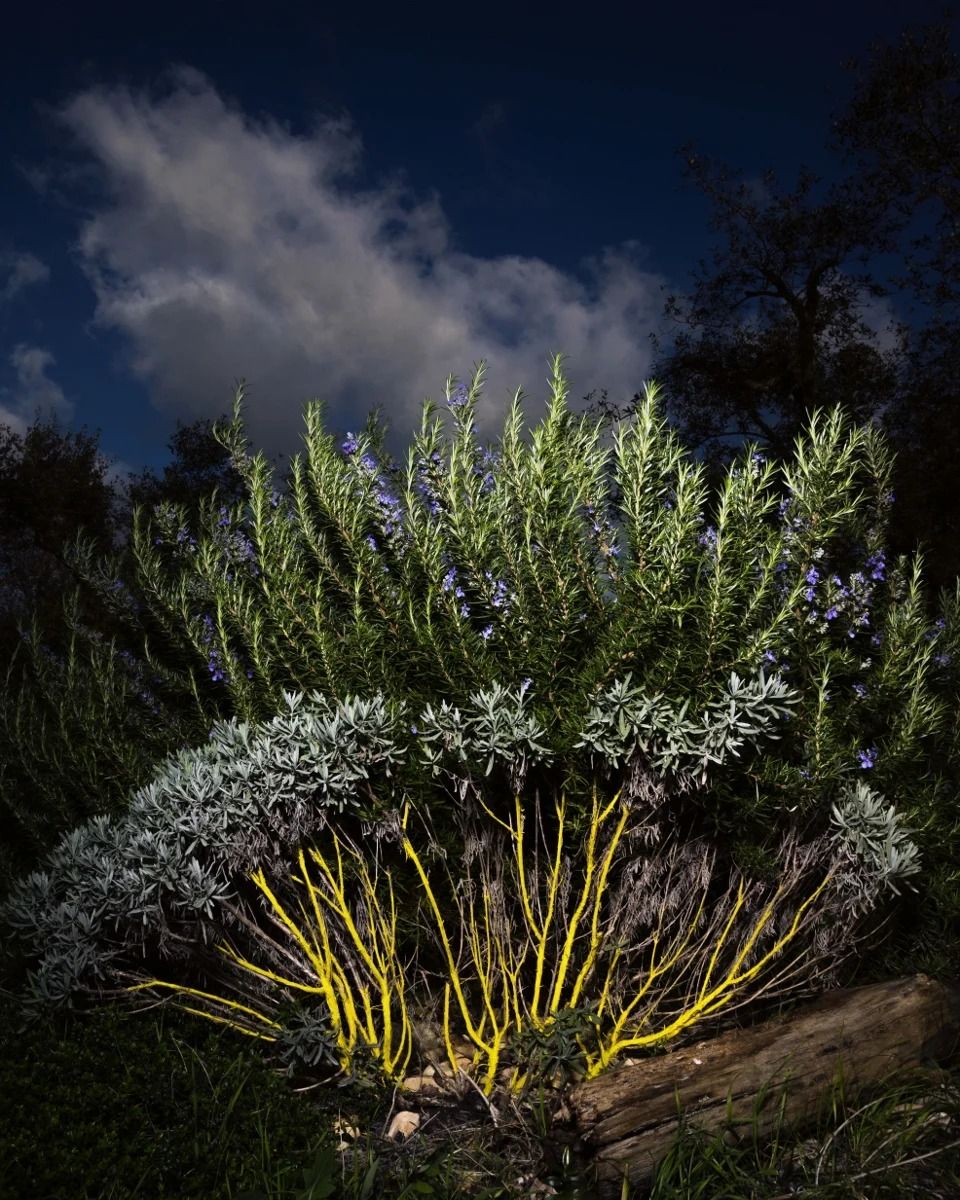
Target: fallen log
625, 1120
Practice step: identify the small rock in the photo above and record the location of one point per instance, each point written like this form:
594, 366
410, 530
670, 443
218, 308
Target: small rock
403, 1125
463, 1064
420, 1083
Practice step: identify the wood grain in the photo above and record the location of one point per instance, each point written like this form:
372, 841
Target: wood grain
626, 1119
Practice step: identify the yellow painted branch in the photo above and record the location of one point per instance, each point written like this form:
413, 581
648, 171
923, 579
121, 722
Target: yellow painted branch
738, 904
345, 1008
517, 839
590, 959
553, 887
189, 991
656, 969
198, 1012
259, 879
567, 951
718, 998
608, 981
474, 1034
343, 910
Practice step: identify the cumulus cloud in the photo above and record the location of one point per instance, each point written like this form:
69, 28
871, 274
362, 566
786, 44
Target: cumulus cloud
881, 319
18, 271
227, 247
34, 394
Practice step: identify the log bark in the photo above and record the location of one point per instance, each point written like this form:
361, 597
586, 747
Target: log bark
626, 1119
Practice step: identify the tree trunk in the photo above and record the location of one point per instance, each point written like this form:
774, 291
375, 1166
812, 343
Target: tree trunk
626, 1119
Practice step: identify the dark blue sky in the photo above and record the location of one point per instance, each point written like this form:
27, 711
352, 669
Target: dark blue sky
355, 204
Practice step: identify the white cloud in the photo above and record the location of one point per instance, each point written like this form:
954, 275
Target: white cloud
229, 247
18, 271
118, 470
880, 317
34, 393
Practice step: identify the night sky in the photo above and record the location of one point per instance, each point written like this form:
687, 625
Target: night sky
352, 202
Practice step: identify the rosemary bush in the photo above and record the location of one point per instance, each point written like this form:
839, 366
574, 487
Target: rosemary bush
84, 723
509, 563
674, 648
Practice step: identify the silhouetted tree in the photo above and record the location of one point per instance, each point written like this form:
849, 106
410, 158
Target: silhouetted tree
81, 723
199, 466
775, 325
773, 330
52, 485
902, 130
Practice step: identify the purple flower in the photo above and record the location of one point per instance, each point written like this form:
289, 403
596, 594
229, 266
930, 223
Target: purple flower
350, 445
485, 633
500, 593
813, 575
831, 613
860, 690
459, 397
769, 656
490, 459
867, 757
942, 660
808, 595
